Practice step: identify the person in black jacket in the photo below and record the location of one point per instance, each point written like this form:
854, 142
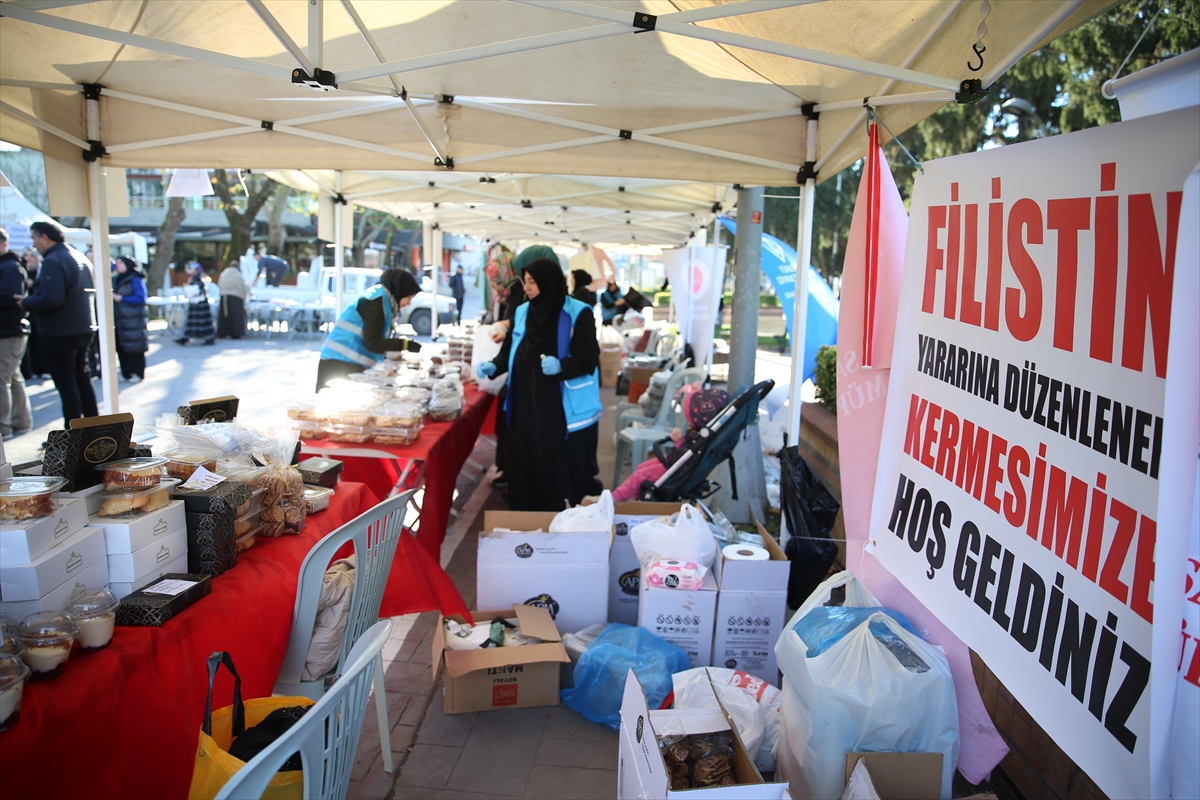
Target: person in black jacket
64, 305
32, 365
16, 417
129, 318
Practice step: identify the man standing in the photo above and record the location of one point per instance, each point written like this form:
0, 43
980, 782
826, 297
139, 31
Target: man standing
459, 290
273, 268
16, 417
64, 305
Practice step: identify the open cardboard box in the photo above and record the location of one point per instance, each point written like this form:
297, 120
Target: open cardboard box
501, 677
751, 611
641, 771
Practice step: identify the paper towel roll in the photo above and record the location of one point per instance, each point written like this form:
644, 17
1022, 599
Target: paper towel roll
745, 552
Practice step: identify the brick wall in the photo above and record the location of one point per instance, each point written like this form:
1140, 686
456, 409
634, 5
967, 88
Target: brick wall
1035, 764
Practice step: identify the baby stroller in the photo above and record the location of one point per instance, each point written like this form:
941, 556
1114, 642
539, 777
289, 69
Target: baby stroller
687, 478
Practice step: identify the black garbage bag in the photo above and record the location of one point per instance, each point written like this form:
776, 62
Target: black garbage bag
809, 511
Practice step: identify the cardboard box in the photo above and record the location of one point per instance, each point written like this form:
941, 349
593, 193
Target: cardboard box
124, 588
683, 618
70, 557
610, 366
95, 577
127, 536
22, 542
565, 573
751, 612
624, 571
74, 454
144, 608
149, 560
501, 677
901, 776
224, 498
641, 771
320, 471
212, 409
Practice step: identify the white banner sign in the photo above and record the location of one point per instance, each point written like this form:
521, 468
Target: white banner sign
697, 275
1017, 492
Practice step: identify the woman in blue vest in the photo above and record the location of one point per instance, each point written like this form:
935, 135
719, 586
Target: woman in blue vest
362, 333
552, 360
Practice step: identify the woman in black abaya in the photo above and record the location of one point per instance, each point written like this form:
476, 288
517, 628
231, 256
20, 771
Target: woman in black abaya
548, 468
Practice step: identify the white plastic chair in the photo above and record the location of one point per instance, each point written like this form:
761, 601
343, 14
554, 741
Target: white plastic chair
326, 736
375, 534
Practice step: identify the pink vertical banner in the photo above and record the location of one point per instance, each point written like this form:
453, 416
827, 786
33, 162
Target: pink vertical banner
871, 283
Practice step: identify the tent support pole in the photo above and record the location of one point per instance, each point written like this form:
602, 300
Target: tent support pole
281, 34
436, 276
46, 126
98, 220
800, 311
316, 41
743, 328
339, 237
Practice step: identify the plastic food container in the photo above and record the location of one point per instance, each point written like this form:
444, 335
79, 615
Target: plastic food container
131, 503
309, 430
95, 611
247, 473
398, 435
350, 418
413, 394
304, 410
23, 498
353, 434
316, 498
246, 541
398, 415
247, 522
446, 409
11, 645
13, 674
48, 637
183, 463
133, 473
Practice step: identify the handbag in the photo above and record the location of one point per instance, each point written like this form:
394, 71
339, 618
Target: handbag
214, 765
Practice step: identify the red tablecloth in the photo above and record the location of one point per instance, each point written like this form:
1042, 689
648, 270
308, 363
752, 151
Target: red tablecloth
124, 722
444, 446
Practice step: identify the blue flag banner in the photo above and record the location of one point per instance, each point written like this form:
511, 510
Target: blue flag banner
779, 264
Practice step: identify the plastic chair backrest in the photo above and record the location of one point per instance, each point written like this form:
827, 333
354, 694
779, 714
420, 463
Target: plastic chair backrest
326, 736
666, 415
665, 345
375, 533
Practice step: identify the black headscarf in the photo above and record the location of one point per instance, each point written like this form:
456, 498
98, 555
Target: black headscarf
541, 326
400, 283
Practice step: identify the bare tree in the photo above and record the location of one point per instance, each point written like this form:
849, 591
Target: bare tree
257, 189
164, 251
369, 225
277, 231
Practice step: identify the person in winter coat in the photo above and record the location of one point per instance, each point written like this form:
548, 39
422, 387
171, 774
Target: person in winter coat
363, 331
16, 417
582, 291
199, 311
129, 318
63, 304
32, 365
552, 360
612, 303
459, 290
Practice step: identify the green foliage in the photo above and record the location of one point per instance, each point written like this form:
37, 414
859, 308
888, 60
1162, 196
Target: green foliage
765, 299
826, 377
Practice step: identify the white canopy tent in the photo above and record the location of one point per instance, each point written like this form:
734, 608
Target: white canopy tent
750, 92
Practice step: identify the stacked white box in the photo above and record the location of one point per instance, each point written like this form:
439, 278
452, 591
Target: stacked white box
22, 542
46, 582
685, 618
751, 612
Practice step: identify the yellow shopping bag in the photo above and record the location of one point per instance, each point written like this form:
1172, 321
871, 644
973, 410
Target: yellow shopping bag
214, 765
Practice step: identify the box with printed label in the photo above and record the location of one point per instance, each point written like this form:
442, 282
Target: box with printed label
643, 772
610, 366
624, 570
682, 617
751, 611
95, 577
149, 560
565, 573
501, 677
127, 536
22, 542
68, 558
123, 588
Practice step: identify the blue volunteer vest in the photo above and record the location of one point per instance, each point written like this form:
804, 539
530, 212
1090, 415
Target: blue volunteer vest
345, 341
580, 396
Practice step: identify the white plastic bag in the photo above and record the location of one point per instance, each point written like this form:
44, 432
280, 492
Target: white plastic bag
585, 519
692, 690
856, 696
689, 539
485, 349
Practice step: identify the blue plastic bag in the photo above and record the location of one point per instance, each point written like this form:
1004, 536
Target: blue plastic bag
825, 626
602, 669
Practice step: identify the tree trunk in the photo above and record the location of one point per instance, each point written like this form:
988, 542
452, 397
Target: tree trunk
241, 223
277, 232
164, 251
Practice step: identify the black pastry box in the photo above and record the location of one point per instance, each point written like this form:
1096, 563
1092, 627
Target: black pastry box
210, 539
320, 472
74, 454
146, 608
224, 498
213, 409
213, 567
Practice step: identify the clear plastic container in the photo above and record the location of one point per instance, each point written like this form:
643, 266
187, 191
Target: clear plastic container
396, 436
399, 414
247, 522
316, 498
360, 418
131, 503
242, 470
95, 611
11, 645
248, 540
184, 462
414, 394
13, 675
23, 498
133, 473
309, 430
48, 637
305, 410
351, 434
